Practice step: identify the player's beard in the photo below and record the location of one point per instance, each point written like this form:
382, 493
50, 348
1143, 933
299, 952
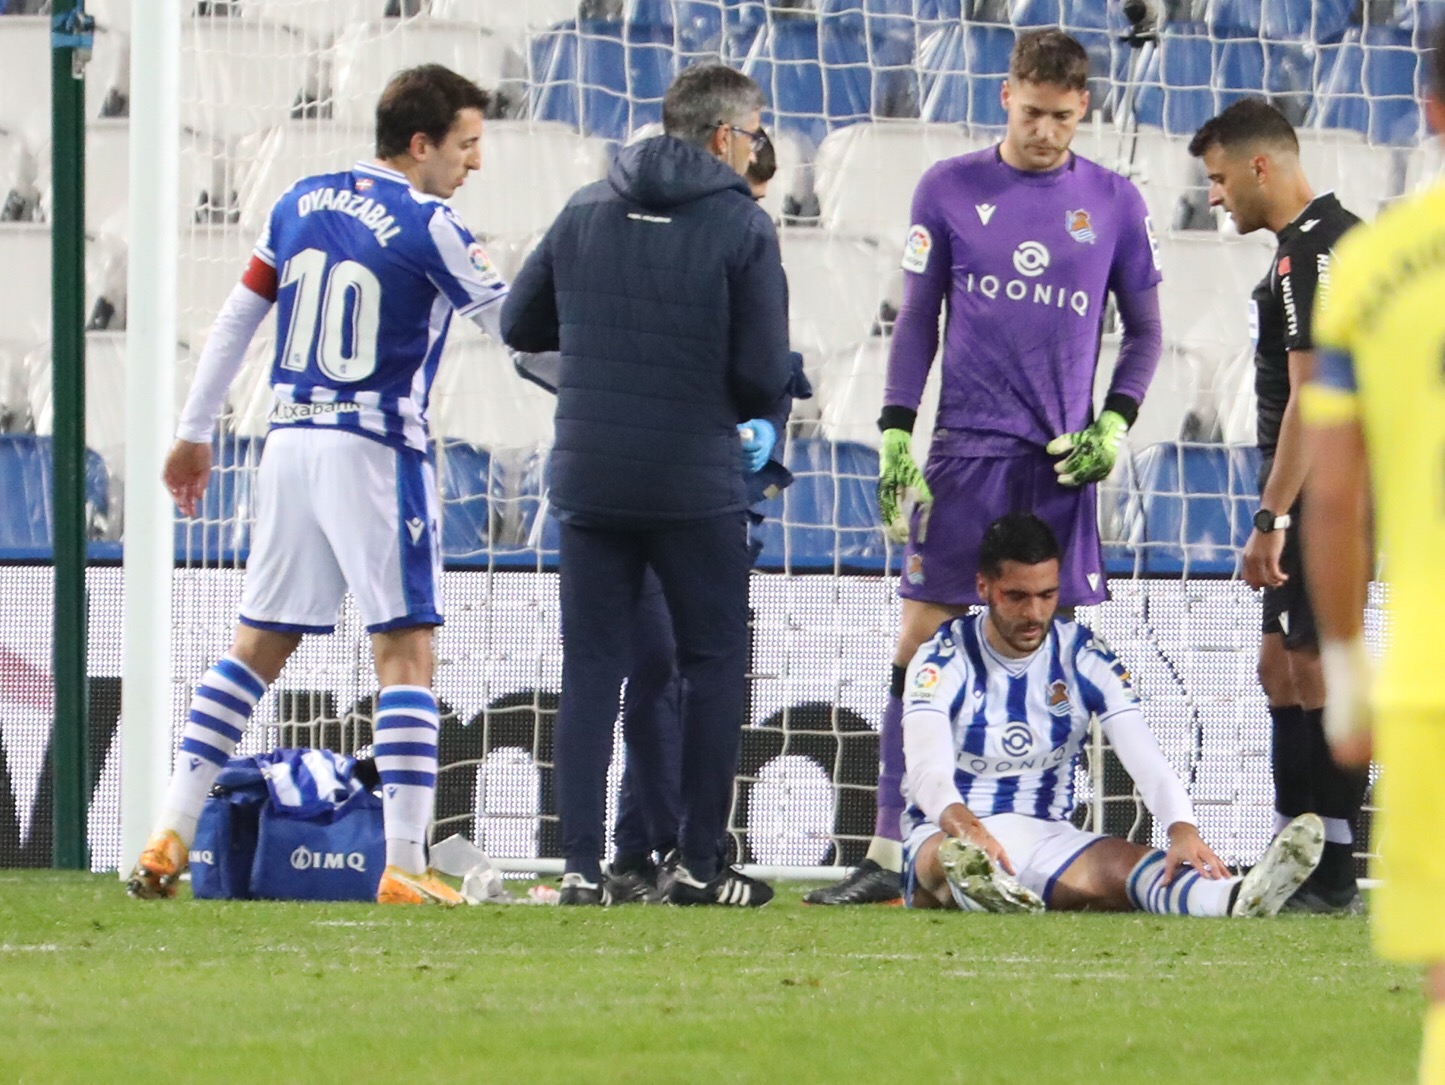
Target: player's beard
1022, 636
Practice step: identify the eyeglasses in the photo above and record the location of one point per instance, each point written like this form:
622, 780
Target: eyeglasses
758, 139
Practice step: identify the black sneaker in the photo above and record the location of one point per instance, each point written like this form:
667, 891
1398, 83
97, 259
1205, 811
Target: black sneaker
578, 890
731, 887
868, 884
632, 886
1324, 900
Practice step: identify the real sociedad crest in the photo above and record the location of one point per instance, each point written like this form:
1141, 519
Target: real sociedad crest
1080, 228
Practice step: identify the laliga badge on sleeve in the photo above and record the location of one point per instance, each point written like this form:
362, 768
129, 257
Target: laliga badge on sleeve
916, 249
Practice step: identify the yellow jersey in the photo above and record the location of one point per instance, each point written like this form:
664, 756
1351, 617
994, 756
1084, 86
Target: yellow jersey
1380, 342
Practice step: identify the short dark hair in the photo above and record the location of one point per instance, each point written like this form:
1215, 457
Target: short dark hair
704, 96
1247, 122
1016, 536
765, 162
1049, 56
1437, 62
424, 99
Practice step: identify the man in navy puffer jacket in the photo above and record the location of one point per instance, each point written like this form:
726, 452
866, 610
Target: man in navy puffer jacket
663, 289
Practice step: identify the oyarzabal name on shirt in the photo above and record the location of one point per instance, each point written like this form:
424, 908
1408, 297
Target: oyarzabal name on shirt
372, 215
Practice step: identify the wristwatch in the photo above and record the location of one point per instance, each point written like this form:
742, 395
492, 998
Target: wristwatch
1266, 521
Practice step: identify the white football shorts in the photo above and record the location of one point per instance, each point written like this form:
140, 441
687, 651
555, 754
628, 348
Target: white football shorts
1039, 850
335, 510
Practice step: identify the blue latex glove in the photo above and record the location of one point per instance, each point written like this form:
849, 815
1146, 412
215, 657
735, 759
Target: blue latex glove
758, 437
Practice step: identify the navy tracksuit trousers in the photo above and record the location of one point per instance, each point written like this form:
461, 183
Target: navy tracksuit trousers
702, 567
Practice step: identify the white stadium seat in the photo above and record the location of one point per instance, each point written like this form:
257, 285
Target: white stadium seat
866, 173
1208, 279
210, 262
104, 395
1423, 166
479, 398
202, 172
25, 77
321, 20
367, 56
529, 171
243, 75
835, 285
506, 18
282, 155
1363, 177
25, 300
1160, 165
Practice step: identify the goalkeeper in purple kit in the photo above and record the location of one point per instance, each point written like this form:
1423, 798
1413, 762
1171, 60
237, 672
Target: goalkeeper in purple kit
1019, 246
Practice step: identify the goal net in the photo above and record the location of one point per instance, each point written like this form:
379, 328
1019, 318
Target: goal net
864, 95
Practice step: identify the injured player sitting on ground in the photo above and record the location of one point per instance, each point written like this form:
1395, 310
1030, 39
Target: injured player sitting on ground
996, 711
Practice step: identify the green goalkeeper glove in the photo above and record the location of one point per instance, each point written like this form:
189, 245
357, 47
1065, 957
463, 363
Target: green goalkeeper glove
1089, 455
898, 474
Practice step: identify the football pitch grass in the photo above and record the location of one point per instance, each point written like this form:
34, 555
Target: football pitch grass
97, 988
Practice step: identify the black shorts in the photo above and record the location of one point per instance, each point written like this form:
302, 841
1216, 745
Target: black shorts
1287, 609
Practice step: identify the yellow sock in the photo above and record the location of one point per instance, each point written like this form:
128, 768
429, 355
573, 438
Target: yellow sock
1432, 1055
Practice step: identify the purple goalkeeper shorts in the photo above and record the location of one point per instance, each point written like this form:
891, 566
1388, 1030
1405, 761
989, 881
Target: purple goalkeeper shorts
940, 562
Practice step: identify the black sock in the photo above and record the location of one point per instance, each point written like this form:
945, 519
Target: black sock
632, 862
896, 679
1339, 793
1291, 761
1337, 867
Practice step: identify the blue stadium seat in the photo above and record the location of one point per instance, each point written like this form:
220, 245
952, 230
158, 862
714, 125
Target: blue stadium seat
828, 516
1238, 70
1369, 82
467, 488
1233, 18
696, 25
27, 522
963, 68
221, 534
814, 74
526, 538
605, 78
1175, 88
1189, 510
1316, 21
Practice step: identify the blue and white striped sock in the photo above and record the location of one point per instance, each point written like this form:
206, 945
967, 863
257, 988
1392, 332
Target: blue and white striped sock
1190, 893
406, 758
221, 709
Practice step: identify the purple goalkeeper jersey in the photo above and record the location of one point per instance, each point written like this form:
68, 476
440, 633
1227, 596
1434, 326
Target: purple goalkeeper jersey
1026, 261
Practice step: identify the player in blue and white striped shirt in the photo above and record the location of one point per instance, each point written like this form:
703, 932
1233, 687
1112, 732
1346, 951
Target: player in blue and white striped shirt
996, 711
365, 268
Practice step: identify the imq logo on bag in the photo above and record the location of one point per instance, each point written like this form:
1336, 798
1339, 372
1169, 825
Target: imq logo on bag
304, 858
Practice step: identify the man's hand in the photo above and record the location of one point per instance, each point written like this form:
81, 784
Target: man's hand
898, 473
1261, 559
758, 437
1187, 846
1089, 455
1349, 673
187, 469
958, 820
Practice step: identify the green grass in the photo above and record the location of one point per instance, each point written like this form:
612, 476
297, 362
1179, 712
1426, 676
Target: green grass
96, 988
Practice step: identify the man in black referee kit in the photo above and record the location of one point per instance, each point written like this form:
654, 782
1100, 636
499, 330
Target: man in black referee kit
1251, 155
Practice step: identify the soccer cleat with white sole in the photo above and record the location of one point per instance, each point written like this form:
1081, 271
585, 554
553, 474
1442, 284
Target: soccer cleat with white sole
1287, 862
399, 887
979, 885
730, 888
159, 868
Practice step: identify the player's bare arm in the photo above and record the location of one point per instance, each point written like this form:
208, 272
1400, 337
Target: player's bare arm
1338, 569
1286, 479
